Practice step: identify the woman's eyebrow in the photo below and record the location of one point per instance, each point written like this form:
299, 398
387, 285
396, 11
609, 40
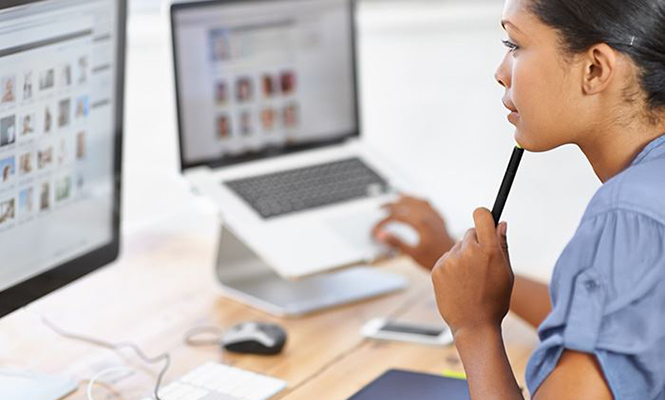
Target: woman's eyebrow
505, 22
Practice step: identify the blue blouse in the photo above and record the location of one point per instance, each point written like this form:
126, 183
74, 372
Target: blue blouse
608, 286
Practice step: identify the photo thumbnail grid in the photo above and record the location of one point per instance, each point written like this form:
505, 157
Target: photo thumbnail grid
250, 105
43, 128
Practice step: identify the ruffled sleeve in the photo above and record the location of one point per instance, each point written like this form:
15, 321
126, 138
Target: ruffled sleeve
608, 297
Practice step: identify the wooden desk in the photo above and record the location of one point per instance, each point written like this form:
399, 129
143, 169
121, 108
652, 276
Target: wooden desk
163, 286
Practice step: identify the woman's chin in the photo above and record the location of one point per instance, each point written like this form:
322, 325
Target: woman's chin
532, 143
521, 140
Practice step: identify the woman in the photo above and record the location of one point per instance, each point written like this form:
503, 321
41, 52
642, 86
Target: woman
591, 73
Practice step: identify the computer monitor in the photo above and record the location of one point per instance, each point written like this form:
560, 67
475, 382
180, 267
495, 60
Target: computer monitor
261, 78
61, 116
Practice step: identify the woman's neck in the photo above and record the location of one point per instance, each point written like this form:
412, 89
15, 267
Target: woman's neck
612, 150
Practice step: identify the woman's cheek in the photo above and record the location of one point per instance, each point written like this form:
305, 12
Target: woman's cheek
531, 127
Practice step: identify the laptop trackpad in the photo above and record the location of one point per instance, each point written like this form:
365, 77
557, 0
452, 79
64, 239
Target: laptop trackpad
355, 229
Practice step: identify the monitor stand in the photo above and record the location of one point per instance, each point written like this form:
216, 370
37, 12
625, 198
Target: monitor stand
23, 385
247, 278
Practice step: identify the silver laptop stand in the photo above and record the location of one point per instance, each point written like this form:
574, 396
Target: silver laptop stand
245, 277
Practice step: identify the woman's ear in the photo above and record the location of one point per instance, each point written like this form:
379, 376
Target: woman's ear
600, 65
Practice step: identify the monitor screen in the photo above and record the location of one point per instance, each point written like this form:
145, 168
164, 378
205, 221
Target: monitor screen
60, 124
262, 77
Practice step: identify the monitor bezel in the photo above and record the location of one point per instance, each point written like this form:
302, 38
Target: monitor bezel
25, 292
228, 160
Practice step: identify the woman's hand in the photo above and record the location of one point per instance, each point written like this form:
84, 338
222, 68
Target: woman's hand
474, 280
421, 216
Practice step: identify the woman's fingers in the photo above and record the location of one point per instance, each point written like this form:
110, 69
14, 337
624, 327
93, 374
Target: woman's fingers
470, 237
388, 238
473, 285
398, 208
378, 228
485, 228
501, 236
454, 251
394, 242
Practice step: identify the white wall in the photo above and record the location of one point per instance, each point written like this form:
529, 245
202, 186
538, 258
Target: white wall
429, 102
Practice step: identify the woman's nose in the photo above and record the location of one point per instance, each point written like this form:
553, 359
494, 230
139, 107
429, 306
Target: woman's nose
502, 75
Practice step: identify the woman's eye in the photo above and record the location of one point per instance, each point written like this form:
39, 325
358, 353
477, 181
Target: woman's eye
510, 45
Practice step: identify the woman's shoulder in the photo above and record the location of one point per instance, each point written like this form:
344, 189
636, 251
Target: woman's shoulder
640, 189
621, 237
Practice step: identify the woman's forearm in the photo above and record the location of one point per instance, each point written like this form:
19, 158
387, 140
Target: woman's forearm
530, 300
488, 371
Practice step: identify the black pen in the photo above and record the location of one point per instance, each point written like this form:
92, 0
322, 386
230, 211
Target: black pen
507, 183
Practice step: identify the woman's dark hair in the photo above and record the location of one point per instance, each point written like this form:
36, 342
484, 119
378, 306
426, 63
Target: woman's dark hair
633, 27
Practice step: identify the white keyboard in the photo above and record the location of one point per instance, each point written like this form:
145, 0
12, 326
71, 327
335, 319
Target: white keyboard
214, 381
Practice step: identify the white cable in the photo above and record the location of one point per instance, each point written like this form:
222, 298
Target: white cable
205, 335
195, 336
166, 357
101, 373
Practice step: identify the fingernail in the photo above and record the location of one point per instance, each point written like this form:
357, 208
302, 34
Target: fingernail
504, 228
381, 236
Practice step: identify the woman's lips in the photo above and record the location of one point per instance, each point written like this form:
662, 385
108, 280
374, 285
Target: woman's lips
514, 115
509, 105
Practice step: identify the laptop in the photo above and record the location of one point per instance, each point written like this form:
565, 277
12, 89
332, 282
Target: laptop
269, 129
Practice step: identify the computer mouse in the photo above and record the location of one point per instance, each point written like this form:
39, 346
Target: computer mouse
255, 338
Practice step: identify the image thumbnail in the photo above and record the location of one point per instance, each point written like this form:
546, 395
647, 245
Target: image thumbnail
7, 211
82, 107
8, 89
63, 188
223, 126
246, 124
26, 201
82, 69
66, 75
244, 89
45, 157
48, 119
25, 164
47, 79
221, 93
80, 145
45, 196
220, 46
287, 82
7, 130
7, 169
268, 119
27, 124
291, 115
64, 111
62, 152
27, 85
268, 86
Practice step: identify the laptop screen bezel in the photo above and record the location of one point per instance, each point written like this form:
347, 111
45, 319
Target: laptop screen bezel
228, 159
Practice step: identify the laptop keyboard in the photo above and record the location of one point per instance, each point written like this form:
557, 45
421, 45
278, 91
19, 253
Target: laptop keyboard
294, 190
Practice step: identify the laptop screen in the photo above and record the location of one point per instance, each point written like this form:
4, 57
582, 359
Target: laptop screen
258, 78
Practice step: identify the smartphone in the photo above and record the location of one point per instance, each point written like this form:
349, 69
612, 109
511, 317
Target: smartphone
387, 329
